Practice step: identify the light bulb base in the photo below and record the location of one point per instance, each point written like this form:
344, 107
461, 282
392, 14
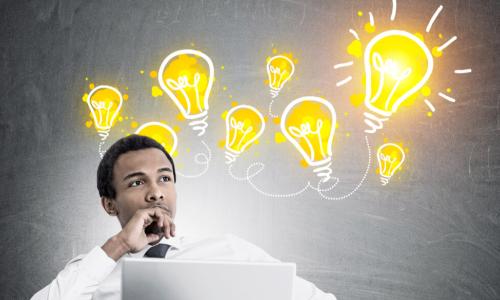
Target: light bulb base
374, 122
384, 180
199, 125
324, 171
103, 134
230, 157
274, 92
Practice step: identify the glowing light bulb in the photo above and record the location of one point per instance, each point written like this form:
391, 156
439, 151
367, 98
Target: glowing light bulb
279, 70
390, 157
187, 77
309, 124
397, 65
161, 133
244, 124
104, 102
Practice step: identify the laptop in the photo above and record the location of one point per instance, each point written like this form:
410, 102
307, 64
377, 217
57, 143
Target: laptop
152, 278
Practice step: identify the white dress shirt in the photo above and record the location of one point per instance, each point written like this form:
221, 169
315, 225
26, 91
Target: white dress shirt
97, 276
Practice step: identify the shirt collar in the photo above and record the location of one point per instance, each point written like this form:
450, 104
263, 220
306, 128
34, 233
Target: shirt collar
174, 243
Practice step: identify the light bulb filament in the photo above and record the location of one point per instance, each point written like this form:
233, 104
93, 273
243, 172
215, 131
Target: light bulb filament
387, 165
182, 84
103, 108
307, 134
277, 78
237, 127
390, 68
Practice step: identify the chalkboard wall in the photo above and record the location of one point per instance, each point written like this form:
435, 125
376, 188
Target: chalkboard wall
432, 233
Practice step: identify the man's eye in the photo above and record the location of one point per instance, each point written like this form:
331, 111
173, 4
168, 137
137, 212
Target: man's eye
165, 179
135, 183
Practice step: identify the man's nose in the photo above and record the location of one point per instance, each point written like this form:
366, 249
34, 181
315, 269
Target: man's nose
155, 193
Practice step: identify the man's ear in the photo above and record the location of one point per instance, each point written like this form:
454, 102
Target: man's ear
109, 206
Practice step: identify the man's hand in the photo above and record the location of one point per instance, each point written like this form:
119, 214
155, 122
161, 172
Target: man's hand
146, 226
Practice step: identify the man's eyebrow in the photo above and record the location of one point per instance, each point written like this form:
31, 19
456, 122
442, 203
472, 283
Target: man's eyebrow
133, 175
166, 169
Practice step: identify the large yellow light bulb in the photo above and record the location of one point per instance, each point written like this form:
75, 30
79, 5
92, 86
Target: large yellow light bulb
161, 133
104, 102
279, 70
244, 124
397, 65
187, 77
309, 124
390, 157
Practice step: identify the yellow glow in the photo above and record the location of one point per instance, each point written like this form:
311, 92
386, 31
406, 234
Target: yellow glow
279, 70
369, 28
279, 138
187, 77
244, 125
104, 103
156, 91
397, 64
426, 91
309, 124
390, 157
161, 133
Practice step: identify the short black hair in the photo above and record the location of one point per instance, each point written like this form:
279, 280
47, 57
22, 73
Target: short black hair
132, 142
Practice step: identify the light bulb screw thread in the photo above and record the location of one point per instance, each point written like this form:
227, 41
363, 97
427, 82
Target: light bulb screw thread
230, 157
274, 92
324, 172
374, 122
199, 125
384, 180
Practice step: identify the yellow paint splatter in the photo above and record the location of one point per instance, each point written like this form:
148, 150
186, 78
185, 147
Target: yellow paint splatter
222, 67
440, 36
348, 134
448, 90
141, 71
436, 52
419, 36
120, 119
357, 99
88, 124
275, 51
221, 144
153, 74
180, 117
176, 129
156, 91
346, 114
426, 91
429, 114
279, 138
360, 13
223, 115
86, 79
134, 124
256, 142
230, 96
369, 28
276, 121
354, 48
85, 97
125, 97
234, 103
224, 88
303, 163
175, 153
91, 86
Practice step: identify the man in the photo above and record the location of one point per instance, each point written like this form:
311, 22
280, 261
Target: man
136, 181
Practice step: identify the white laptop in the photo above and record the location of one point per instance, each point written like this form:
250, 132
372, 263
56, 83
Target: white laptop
151, 278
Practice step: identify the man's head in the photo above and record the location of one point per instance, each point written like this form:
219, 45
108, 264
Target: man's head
136, 172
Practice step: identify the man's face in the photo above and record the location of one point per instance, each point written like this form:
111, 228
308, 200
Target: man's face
142, 179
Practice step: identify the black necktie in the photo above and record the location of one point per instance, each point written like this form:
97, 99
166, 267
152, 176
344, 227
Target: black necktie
157, 251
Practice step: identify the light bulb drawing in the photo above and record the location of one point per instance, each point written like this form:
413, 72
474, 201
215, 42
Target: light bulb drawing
390, 158
187, 77
397, 65
244, 125
161, 133
279, 70
309, 124
104, 102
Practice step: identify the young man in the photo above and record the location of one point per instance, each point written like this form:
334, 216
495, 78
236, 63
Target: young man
136, 181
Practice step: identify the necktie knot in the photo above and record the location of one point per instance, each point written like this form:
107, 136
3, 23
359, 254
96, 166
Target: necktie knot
159, 251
